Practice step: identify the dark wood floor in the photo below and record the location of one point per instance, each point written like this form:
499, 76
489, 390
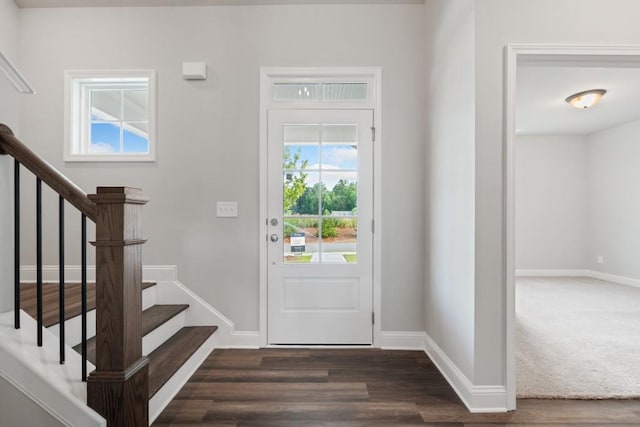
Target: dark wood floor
291, 387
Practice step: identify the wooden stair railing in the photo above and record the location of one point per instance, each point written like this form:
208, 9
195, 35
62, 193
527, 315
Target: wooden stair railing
118, 388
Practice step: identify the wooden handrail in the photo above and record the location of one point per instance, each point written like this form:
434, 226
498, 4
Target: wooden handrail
11, 145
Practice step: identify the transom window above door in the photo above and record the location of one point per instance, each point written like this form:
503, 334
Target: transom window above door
110, 116
320, 92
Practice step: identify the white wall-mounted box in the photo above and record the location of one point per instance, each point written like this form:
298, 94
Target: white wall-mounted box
194, 70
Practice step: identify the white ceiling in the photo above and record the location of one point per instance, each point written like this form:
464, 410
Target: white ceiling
150, 3
541, 91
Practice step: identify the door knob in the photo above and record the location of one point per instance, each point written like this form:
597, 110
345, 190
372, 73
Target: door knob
274, 238
274, 221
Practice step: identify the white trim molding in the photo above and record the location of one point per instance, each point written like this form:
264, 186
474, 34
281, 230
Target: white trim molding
477, 399
547, 54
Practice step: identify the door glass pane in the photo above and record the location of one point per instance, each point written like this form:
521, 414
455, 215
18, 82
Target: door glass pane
300, 193
332, 134
340, 217
339, 156
340, 197
339, 240
301, 240
320, 193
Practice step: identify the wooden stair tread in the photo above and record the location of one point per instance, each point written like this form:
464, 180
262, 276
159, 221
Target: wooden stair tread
156, 315
173, 353
50, 298
151, 318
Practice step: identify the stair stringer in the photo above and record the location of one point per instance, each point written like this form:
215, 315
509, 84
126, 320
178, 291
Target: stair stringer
37, 373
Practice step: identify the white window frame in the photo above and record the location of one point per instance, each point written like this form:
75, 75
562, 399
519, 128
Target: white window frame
373, 77
77, 108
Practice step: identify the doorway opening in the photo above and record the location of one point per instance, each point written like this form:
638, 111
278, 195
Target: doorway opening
536, 60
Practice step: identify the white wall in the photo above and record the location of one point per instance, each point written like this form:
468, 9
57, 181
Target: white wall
450, 180
499, 22
614, 213
208, 130
9, 116
15, 407
552, 204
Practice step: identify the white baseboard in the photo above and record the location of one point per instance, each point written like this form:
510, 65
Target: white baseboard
552, 273
476, 398
614, 278
402, 340
580, 273
244, 339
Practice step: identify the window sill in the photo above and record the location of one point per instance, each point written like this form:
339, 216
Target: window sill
109, 158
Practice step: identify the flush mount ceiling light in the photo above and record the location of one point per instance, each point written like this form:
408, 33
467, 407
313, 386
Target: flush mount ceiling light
586, 99
14, 76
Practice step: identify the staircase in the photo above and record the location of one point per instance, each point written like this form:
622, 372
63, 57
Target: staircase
146, 342
167, 342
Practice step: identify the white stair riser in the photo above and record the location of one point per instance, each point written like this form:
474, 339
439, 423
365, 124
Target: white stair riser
73, 329
149, 297
155, 338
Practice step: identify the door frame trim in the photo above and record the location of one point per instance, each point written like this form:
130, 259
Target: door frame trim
547, 54
374, 76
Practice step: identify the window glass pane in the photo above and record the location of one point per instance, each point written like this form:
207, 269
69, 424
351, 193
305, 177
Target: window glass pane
301, 92
300, 243
134, 141
105, 138
106, 104
136, 105
142, 128
345, 91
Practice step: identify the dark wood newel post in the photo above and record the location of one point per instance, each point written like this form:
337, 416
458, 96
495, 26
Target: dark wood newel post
119, 387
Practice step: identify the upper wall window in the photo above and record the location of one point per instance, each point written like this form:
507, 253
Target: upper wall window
110, 116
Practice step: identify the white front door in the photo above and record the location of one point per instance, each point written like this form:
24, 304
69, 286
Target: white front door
320, 250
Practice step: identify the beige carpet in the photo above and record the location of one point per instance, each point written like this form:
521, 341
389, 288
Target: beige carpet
577, 338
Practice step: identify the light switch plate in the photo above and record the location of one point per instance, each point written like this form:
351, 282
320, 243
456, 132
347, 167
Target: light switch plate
227, 209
